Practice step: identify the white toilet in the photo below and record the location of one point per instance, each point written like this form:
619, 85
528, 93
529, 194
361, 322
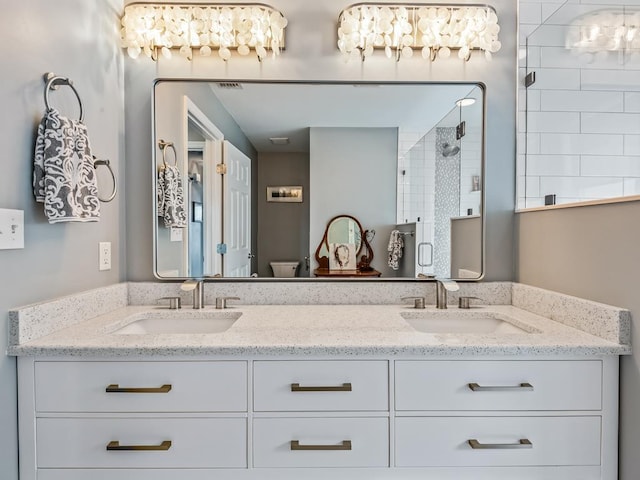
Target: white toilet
284, 269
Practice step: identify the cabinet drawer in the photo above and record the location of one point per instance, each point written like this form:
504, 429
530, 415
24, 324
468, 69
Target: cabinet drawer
322, 442
195, 442
446, 385
321, 385
194, 386
444, 441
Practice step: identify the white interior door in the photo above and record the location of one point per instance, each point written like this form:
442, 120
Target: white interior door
236, 232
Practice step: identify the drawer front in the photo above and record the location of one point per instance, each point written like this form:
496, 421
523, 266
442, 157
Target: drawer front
321, 386
195, 442
444, 441
322, 442
194, 386
521, 385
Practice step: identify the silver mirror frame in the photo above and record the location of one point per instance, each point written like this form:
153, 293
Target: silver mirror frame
483, 169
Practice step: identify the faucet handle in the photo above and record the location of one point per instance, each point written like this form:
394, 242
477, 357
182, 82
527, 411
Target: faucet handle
418, 301
221, 302
464, 302
174, 302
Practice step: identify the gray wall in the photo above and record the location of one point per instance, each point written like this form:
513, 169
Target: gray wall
41, 36
283, 228
592, 252
466, 253
79, 39
353, 172
311, 54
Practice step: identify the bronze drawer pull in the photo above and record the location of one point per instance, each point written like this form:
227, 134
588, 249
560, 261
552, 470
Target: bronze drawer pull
115, 445
522, 443
115, 388
345, 387
479, 388
345, 445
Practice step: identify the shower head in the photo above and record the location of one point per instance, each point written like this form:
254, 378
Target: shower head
449, 150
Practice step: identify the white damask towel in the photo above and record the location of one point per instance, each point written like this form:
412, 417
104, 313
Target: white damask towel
396, 244
171, 197
64, 177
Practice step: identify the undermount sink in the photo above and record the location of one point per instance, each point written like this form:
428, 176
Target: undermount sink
172, 322
457, 322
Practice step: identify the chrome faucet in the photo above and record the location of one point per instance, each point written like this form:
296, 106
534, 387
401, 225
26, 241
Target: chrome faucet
444, 285
197, 286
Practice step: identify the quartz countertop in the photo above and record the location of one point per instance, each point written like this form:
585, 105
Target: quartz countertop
318, 330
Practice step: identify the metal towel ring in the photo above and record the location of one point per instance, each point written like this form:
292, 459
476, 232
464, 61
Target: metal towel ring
53, 82
107, 163
163, 146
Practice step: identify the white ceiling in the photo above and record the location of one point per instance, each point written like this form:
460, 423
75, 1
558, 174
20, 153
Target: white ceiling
264, 110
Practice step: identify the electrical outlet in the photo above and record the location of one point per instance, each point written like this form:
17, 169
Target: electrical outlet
104, 258
11, 229
176, 234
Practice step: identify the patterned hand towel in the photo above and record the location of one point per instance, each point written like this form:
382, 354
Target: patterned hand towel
64, 178
396, 244
170, 197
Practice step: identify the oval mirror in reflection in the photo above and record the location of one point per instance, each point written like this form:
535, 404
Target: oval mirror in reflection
260, 188
345, 250
345, 229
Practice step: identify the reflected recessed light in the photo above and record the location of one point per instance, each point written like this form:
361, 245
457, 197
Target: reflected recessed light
279, 140
465, 102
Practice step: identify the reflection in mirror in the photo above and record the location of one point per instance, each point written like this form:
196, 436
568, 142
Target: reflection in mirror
344, 250
402, 160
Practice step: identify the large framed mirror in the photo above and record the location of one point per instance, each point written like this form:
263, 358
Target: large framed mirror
261, 169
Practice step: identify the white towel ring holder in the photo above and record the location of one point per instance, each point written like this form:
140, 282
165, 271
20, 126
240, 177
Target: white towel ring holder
163, 146
53, 82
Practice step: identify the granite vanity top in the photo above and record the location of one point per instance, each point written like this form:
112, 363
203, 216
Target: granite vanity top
318, 330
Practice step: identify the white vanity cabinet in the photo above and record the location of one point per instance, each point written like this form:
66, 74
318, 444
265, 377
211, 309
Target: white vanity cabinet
505, 414
297, 417
350, 404
98, 419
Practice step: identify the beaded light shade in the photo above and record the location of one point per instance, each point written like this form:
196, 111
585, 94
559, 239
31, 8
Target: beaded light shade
433, 29
153, 29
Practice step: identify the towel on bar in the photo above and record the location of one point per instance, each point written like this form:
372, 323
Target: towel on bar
64, 177
396, 244
171, 204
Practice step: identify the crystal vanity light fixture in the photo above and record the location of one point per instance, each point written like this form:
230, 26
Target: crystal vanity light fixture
155, 28
434, 29
605, 31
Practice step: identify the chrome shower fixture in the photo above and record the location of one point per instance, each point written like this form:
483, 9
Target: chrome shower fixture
449, 150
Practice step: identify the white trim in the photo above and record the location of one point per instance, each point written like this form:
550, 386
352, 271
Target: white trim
212, 183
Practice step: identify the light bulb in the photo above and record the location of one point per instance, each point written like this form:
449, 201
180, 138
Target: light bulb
134, 52
224, 53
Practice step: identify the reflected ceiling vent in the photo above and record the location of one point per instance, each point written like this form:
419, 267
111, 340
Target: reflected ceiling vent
279, 140
230, 85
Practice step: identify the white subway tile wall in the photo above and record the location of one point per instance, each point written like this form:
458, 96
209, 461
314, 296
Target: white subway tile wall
579, 123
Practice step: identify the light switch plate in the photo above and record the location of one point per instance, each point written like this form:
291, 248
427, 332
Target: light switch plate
11, 229
104, 257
